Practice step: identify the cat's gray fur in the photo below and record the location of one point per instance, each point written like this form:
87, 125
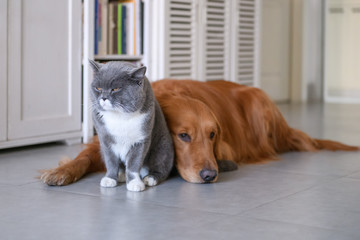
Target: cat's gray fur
131, 127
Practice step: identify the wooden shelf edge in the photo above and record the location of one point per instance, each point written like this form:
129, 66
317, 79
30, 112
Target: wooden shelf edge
118, 57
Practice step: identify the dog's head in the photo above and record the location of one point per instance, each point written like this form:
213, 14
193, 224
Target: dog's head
196, 133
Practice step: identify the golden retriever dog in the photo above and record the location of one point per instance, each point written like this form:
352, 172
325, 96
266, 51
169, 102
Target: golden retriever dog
215, 126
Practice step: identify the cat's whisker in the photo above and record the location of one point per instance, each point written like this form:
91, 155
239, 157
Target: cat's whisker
118, 106
92, 106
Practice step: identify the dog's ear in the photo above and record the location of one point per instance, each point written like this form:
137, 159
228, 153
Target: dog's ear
222, 150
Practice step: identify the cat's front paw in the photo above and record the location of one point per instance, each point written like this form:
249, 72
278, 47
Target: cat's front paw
150, 181
108, 182
135, 185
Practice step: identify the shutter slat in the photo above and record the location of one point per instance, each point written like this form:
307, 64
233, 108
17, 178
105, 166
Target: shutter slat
180, 14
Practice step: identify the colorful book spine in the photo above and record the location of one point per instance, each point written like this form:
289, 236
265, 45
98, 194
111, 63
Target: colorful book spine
138, 26
111, 26
119, 29
99, 27
115, 34
130, 28
96, 27
142, 28
103, 30
123, 30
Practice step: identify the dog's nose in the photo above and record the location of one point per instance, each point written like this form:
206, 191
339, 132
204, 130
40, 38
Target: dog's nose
208, 175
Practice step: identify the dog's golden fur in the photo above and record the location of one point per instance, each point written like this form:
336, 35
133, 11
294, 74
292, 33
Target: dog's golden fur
224, 120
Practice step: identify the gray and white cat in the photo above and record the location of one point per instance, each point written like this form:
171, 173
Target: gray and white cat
134, 139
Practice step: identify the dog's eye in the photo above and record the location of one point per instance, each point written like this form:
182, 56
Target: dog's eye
184, 137
212, 135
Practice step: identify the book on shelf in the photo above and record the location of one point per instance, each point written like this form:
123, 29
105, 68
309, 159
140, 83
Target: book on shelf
119, 27
103, 24
96, 18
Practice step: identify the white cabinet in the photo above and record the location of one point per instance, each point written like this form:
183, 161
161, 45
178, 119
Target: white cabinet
41, 71
342, 52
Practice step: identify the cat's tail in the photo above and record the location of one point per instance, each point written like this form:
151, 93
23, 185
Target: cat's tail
69, 171
300, 141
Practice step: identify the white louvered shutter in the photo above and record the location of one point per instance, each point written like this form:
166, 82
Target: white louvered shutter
180, 35
245, 42
215, 39
211, 39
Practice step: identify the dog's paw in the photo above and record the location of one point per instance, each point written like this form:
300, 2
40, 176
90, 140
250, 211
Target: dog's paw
108, 182
150, 181
64, 161
135, 185
226, 165
57, 177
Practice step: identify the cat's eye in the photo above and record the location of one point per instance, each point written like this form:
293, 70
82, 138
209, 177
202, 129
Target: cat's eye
184, 137
115, 89
99, 89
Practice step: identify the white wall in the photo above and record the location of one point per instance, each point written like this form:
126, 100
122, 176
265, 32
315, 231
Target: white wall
305, 65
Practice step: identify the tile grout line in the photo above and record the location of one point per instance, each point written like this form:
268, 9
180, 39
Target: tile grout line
284, 197
312, 226
272, 201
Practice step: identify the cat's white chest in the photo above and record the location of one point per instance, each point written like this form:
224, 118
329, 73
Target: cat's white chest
126, 129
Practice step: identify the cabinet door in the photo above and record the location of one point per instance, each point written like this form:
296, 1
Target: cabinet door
44, 67
3, 67
342, 53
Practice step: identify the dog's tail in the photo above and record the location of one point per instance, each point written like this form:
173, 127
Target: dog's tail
334, 146
300, 141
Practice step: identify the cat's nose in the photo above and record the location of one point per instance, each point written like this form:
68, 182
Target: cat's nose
104, 99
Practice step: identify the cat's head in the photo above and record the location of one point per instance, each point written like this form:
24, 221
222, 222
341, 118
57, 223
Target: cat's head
117, 86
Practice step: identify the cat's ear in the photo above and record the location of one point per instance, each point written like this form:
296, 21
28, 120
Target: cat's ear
94, 65
138, 75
